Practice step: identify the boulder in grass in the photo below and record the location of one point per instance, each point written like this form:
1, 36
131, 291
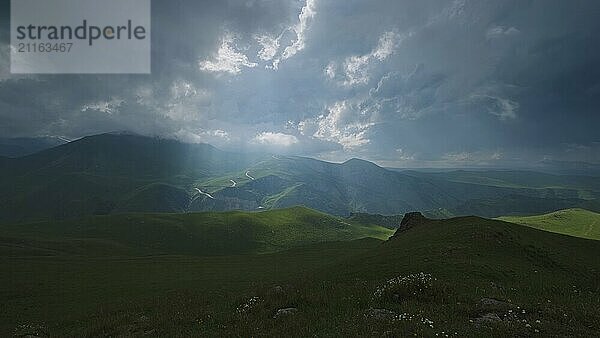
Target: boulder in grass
285, 312
380, 314
487, 319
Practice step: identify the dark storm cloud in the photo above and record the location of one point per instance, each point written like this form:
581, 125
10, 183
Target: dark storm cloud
419, 83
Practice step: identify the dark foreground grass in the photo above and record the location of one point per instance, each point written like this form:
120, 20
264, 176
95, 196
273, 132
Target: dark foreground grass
431, 279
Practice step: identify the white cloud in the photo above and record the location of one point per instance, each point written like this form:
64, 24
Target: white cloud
341, 124
385, 47
182, 89
269, 46
458, 157
501, 31
356, 68
144, 95
275, 139
456, 9
109, 107
404, 96
220, 133
507, 109
479, 158
307, 13
402, 155
330, 70
228, 58
202, 136
503, 108
186, 101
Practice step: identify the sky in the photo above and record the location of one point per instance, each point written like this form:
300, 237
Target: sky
403, 83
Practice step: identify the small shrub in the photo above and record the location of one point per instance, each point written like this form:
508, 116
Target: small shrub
248, 305
420, 287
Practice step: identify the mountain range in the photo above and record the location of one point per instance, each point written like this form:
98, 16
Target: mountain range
115, 173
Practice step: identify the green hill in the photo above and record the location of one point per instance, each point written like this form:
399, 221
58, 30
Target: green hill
465, 277
391, 222
574, 222
208, 233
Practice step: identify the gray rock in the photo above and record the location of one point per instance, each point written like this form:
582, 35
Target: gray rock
380, 314
493, 305
285, 312
486, 319
493, 302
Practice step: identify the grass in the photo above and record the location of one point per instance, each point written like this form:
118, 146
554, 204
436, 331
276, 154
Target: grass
548, 282
574, 222
205, 233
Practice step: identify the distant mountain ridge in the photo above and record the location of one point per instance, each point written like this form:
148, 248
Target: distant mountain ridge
115, 173
22, 146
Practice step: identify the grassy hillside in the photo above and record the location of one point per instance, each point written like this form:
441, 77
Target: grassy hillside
462, 277
574, 222
109, 173
208, 233
391, 222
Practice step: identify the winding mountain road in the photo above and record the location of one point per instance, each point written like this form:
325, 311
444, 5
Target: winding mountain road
204, 193
233, 185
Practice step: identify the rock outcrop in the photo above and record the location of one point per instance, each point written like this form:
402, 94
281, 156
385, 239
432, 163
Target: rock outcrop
410, 220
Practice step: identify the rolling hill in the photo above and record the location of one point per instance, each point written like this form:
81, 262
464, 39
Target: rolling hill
574, 222
207, 233
464, 276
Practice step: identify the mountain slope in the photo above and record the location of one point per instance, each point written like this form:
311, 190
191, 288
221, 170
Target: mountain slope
361, 186
22, 146
574, 222
102, 174
114, 173
130, 156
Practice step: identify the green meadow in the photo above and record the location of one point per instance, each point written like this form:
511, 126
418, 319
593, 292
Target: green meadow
574, 222
465, 276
